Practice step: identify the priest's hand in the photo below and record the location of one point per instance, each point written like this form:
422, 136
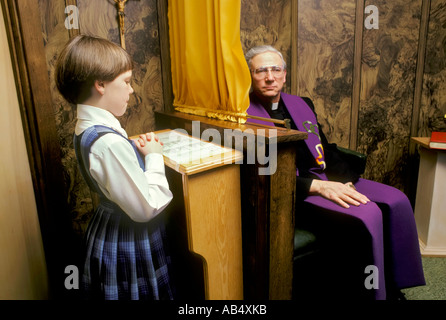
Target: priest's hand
340, 193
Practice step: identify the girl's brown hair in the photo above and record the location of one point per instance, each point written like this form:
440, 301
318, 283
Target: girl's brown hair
86, 59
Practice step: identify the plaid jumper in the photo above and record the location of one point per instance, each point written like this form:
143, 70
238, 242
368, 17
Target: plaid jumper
124, 259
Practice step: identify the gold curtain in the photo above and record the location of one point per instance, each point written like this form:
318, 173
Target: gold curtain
210, 76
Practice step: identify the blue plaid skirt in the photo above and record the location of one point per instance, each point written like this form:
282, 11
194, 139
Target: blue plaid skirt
125, 260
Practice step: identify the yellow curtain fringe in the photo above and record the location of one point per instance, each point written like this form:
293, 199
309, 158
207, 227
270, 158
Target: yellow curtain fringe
207, 60
239, 117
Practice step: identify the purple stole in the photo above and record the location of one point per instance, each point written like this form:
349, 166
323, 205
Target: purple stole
305, 120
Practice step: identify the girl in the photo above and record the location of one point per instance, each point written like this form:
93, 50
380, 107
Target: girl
125, 256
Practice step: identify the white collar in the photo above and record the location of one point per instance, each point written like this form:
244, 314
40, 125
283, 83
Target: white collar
88, 116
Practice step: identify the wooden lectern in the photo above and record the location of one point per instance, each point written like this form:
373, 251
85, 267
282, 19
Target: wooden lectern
267, 202
205, 181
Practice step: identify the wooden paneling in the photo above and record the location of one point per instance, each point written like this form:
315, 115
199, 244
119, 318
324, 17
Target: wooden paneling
387, 89
213, 212
23, 273
362, 81
267, 22
368, 92
433, 100
325, 62
55, 35
357, 57
281, 224
39, 127
165, 55
421, 57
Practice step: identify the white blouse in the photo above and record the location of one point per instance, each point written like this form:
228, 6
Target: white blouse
114, 165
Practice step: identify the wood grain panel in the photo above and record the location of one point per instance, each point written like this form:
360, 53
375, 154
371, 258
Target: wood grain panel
42, 143
421, 58
267, 23
325, 62
387, 89
433, 100
281, 222
214, 219
331, 37
356, 75
23, 272
55, 35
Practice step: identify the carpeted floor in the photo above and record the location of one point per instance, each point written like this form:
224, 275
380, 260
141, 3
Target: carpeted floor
435, 288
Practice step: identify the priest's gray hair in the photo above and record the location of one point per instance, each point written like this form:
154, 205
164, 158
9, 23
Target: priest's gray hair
262, 49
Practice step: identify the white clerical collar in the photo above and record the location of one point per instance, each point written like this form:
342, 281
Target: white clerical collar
275, 106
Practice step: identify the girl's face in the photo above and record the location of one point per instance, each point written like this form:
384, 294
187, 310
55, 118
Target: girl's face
117, 93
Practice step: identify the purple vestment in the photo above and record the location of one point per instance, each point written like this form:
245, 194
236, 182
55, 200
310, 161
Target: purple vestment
401, 243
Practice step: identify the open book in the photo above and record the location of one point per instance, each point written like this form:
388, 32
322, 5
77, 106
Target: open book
188, 154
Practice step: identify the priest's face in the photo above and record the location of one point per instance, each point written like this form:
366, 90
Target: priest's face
268, 76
